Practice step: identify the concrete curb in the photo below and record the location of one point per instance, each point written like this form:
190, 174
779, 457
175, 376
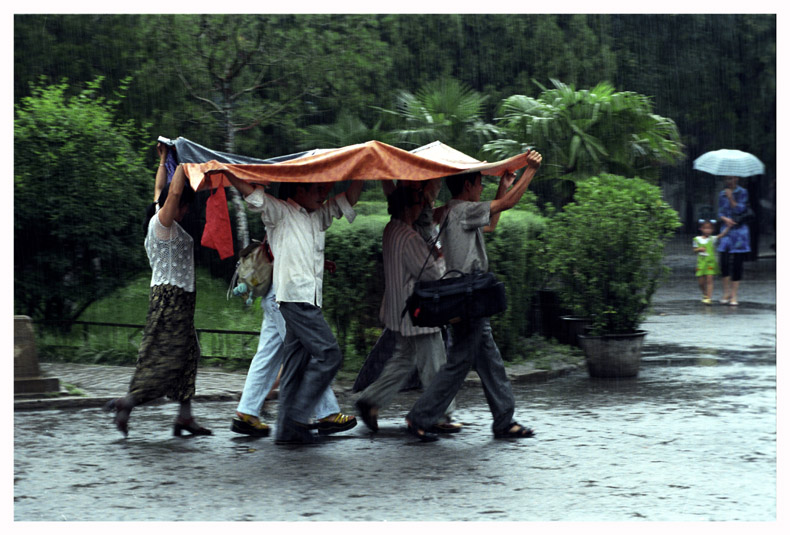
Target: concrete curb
91, 402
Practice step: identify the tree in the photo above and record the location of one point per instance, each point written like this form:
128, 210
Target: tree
348, 129
226, 63
80, 189
582, 133
258, 76
445, 110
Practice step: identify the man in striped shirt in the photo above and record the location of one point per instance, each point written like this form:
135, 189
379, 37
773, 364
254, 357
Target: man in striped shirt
405, 253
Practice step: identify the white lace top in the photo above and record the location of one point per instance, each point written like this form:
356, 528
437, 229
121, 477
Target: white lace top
171, 254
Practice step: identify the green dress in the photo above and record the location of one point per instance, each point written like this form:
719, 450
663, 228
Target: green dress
706, 262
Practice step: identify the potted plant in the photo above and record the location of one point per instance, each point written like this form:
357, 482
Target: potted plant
606, 248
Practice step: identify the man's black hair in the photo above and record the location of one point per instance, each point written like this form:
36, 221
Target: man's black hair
402, 198
455, 183
287, 190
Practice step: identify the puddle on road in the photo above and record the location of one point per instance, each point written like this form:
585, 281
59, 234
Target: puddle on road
688, 307
664, 354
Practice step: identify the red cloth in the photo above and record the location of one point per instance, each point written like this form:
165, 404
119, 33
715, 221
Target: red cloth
217, 234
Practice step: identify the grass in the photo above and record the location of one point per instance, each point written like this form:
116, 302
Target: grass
72, 390
129, 305
212, 311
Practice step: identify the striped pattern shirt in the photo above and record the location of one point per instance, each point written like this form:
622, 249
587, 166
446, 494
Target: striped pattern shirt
404, 253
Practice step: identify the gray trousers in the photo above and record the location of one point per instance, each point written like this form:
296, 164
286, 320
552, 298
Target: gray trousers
472, 344
312, 359
425, 351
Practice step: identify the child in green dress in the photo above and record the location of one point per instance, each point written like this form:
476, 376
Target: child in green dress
707, 266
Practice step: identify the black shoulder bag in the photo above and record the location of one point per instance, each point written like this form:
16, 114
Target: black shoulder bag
455, 297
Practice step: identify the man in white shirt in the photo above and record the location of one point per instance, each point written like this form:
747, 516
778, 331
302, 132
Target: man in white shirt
296, 229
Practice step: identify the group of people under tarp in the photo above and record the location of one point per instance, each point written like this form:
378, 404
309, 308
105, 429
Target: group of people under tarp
295, 339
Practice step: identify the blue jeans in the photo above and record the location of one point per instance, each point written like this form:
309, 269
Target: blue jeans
266, 364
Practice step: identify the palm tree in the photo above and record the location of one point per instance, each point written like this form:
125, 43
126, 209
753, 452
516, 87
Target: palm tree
582, 133
348, 129
445, 110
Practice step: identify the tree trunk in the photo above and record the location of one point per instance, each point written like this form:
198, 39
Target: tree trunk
242, 227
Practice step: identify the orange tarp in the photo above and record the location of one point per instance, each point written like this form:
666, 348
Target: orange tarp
367, 161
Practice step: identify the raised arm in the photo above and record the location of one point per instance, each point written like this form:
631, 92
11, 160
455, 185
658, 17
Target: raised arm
245, 188
169, 211
509, 199
504, 183
354, 191
161, 172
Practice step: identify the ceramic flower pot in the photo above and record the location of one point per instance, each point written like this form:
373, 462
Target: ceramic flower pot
573, 326
613, 355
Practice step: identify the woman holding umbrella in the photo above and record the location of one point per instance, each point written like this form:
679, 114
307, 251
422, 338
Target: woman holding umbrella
733, 207
733, 246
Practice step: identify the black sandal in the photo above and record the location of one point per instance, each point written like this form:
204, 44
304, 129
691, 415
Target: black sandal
190, 426
520, 432
422, 434
121, 422
366, 413
445, 428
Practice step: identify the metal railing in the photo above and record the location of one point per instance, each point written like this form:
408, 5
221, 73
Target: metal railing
221, 344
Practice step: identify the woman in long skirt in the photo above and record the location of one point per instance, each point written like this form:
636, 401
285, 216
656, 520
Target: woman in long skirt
168, 357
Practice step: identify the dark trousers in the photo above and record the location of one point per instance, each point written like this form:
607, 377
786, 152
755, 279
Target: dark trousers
472, 345
312, 359
731, 265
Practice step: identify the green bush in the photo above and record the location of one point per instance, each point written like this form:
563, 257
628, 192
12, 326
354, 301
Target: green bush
514, 253
80, 190
606, 249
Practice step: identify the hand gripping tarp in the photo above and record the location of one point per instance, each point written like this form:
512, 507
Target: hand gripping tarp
366, 161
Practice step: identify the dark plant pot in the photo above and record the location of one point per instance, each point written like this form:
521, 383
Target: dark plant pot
550, 312
613, 355
573, 326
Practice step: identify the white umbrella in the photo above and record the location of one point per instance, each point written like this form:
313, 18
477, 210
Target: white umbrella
728, 162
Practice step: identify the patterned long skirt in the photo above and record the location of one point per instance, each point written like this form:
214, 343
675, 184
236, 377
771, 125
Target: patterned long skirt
169, 353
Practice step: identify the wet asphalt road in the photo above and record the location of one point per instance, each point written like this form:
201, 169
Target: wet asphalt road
692, 438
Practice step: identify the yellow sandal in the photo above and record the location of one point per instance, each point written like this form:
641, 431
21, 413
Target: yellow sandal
335, 423
247, 424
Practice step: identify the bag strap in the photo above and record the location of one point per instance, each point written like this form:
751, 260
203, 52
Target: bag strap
434, 241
